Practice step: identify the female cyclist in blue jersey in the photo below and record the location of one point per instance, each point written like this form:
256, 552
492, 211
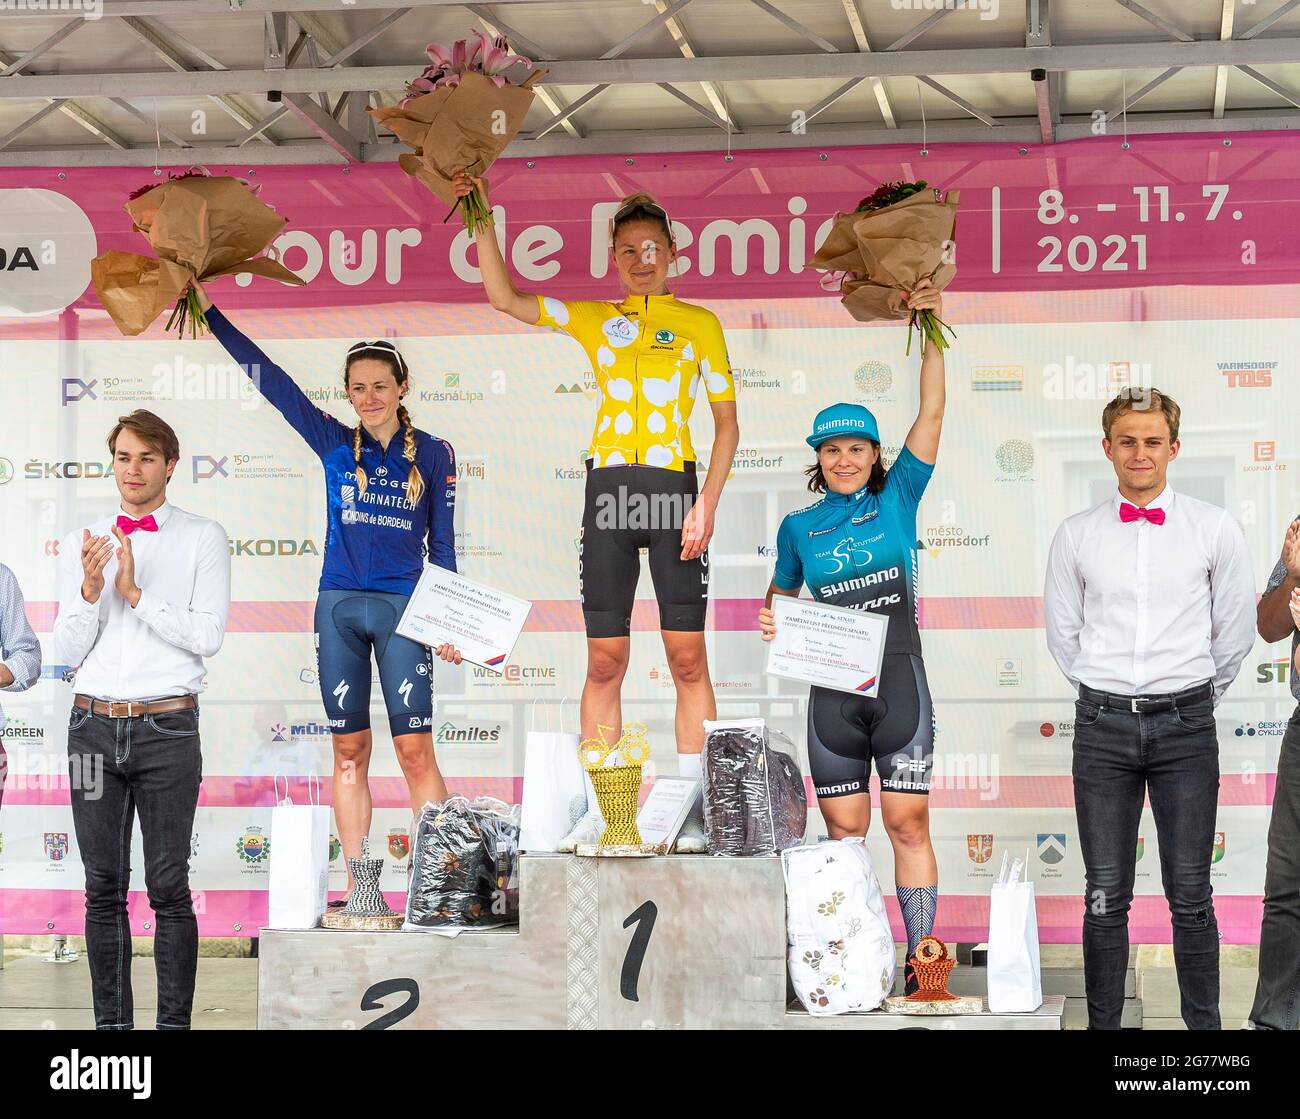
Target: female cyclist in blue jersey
390, 496
856, 547
652, 357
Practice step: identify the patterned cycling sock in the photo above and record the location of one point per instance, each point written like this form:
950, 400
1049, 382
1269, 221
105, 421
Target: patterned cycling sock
918, 904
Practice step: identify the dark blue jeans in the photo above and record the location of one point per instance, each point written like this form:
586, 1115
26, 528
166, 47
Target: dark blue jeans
1277, 996
1119, 758
150, 764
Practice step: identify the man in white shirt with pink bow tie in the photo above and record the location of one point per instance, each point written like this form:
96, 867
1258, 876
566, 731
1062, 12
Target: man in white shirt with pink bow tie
1149, 605
143, 595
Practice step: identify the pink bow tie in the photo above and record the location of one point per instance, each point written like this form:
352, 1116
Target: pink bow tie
1129, 513
145, 523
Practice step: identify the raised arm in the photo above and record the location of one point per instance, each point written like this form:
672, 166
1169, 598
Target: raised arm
923, 439
1272, 614
500, 288
321, 430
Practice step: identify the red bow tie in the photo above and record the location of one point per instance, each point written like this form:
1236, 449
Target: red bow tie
145, 523
1129, 513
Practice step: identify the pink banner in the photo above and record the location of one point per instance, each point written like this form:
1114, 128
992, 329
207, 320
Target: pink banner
1204, 209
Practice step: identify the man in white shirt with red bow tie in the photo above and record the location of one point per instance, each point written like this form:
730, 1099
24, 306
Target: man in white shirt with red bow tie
143, 596
1150, 608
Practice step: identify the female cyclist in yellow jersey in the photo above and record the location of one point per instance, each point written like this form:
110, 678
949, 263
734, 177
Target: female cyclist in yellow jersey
652, 355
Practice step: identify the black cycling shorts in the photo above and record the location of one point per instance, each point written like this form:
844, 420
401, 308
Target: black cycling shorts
895, 728
629, 508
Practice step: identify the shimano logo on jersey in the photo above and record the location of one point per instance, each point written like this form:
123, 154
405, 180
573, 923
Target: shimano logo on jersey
819, 531
871, 516
832, 790
870, 580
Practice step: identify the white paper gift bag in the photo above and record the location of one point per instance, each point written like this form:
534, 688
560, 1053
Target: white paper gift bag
300, 859
1014, 975
555, 786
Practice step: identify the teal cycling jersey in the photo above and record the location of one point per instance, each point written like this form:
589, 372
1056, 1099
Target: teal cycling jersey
859, 550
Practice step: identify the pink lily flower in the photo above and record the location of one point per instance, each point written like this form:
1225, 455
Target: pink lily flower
458, 60
496, 58
832, 281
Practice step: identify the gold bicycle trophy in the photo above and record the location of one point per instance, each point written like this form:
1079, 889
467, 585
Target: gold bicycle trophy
615, 772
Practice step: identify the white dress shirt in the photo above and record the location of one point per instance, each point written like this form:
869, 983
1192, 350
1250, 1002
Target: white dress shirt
1141, 608
156, 649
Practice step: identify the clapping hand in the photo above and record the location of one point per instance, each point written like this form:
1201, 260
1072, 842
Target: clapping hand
96, 551
125, 582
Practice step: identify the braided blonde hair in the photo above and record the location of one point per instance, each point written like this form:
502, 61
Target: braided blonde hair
414, 483
356, 454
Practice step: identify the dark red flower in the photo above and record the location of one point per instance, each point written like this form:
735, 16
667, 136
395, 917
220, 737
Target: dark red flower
887, 194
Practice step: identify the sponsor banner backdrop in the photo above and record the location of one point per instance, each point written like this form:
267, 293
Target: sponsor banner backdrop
1078, 275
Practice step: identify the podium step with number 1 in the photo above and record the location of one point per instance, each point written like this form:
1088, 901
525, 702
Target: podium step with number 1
675, 942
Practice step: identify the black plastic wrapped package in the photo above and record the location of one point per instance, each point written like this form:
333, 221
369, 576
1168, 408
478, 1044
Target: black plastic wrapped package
754, 800
464, 866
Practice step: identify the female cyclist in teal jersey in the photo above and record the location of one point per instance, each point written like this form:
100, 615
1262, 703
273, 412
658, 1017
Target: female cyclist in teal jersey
856, 547
390, 498
652, 356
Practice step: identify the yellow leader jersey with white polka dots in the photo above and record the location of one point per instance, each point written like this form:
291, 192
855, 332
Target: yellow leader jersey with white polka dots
650, 354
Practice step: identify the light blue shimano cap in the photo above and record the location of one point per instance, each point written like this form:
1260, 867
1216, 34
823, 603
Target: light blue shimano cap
843, 419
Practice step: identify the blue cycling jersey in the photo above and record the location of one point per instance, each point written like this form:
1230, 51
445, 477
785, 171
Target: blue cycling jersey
374, 541
859, 550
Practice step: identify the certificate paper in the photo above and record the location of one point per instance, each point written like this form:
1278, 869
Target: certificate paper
482, 623
830, 646
665, 810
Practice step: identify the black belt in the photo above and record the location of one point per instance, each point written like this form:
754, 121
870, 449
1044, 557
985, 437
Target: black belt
1147, 704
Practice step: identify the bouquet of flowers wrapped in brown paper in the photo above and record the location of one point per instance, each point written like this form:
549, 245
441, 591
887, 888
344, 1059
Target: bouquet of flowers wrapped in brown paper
201, 226
896, 237
460, 115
